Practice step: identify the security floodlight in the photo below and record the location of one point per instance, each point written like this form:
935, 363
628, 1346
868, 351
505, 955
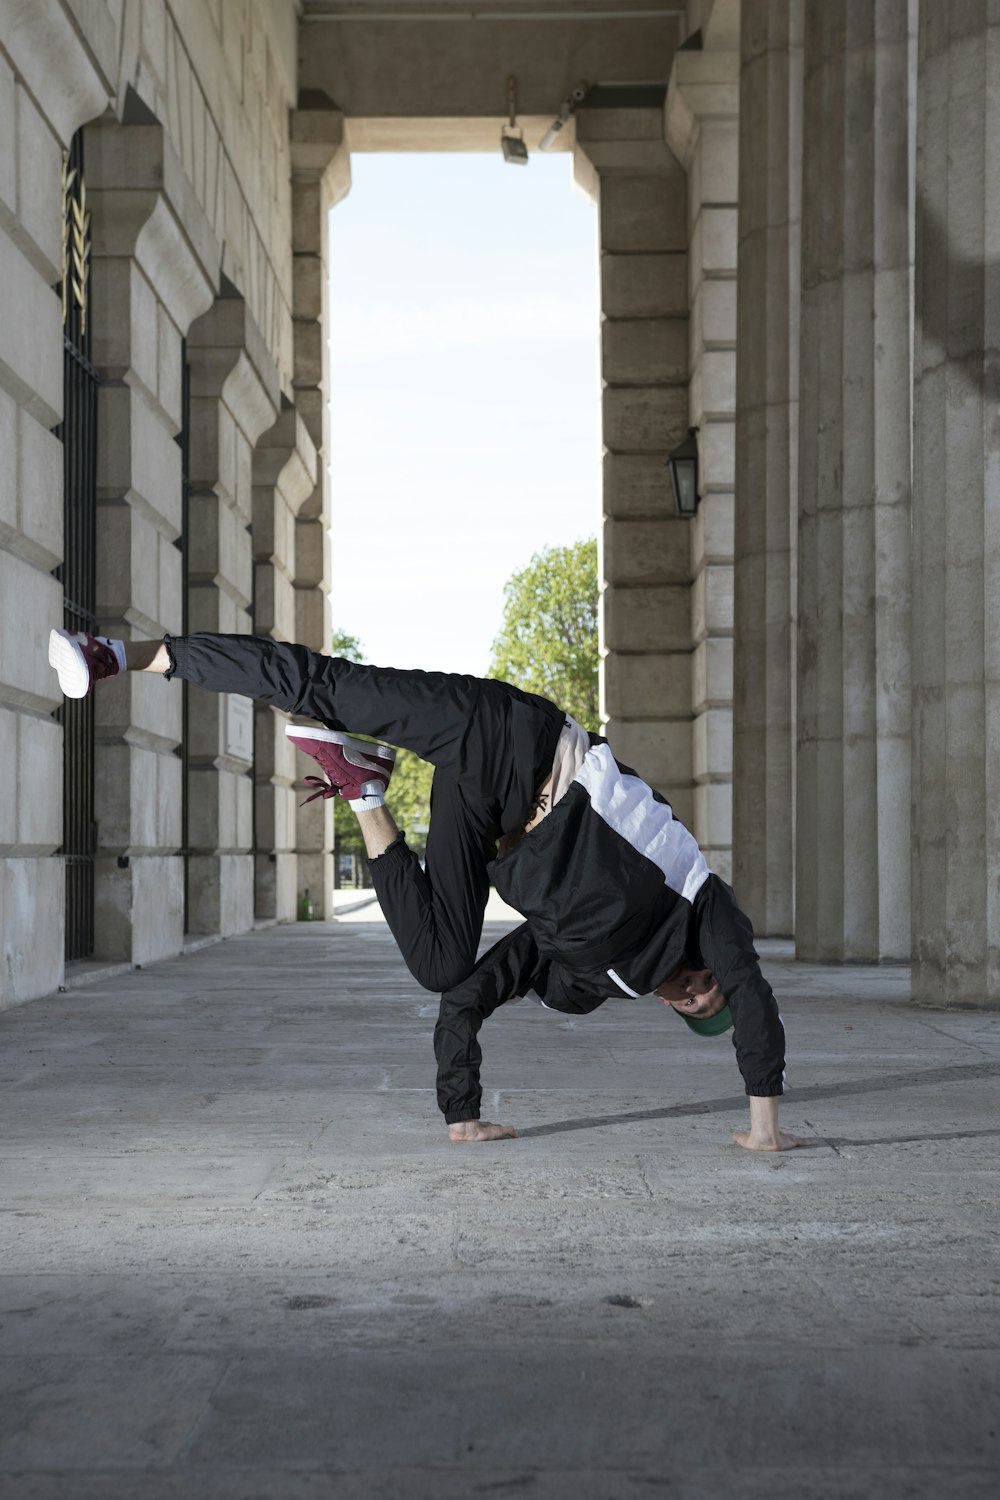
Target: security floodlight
682, 462
566, 108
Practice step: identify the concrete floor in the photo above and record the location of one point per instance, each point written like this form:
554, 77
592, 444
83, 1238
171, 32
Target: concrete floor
240, 1259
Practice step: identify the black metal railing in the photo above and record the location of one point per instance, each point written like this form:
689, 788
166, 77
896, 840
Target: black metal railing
78, 573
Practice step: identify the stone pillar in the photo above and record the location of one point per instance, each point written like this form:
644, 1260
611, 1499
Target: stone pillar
702, 130
622, 161
49, 86
321, 177
766, 523
853, 782
956, 511
234, 395
154, 265
284, 477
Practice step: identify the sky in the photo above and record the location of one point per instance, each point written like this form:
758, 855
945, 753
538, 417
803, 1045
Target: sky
465, 394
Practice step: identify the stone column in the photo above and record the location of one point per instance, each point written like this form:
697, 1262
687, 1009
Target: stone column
622, 161
234, 395
154, 267
766, 523
702, 130
956, 511
321, 177
284, 477
853, 783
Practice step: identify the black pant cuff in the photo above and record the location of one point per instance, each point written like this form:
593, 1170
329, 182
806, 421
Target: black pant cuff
172, 652
394, 855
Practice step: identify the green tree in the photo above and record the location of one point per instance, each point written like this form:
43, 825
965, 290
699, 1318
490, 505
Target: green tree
548, 639
410, 797
346, 833
409, 791
347, 646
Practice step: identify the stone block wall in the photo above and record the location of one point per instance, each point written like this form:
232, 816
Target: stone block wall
855, 516
284, 478
644, 557
767, 463
320, 178
219, 75
209, 194
701, 127
153, 266
40, 60
189, 188
235, 394
956, 502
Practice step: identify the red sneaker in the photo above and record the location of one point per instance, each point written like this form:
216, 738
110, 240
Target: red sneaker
355, 768
81, 660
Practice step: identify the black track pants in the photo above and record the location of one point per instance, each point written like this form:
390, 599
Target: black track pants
491, 745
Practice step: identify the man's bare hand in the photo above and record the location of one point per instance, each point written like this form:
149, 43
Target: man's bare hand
479, 1130
764, 1134
777, 1142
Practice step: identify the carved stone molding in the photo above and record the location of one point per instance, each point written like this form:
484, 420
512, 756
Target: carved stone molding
703, 86
319, 151
144, 206
231, 362
285, 458
77, 83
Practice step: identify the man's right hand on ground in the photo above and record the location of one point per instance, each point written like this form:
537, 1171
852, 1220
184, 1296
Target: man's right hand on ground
764, 1134
478, 1130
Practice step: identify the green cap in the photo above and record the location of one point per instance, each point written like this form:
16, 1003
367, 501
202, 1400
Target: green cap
710, 1025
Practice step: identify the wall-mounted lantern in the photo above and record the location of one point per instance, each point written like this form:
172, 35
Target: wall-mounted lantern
682, 463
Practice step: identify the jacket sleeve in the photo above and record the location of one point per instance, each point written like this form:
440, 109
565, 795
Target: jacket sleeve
725, 939
510, 969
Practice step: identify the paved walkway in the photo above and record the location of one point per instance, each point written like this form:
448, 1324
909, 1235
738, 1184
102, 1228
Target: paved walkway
239, 1258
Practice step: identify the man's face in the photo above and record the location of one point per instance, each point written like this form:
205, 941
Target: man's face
694, 992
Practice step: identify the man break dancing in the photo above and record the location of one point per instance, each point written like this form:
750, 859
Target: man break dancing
617, 897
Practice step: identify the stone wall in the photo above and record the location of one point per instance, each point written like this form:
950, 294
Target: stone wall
220, 76
702, 131
956, 505
641, 192
853, 703
188, 173
234, 397
42, 67
209, 192
152, 276
767, 430
284, 476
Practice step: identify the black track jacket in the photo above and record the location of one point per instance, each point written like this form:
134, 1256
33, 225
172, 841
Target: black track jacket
617, 895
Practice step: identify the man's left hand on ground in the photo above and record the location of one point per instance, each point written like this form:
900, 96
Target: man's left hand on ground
479, 1130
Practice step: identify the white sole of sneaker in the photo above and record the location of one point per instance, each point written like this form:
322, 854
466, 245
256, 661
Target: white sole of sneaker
67, 657
337, 737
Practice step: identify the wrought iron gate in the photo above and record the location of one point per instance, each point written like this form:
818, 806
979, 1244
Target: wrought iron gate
78, 431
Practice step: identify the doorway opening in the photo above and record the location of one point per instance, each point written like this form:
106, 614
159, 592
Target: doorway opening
464, 335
